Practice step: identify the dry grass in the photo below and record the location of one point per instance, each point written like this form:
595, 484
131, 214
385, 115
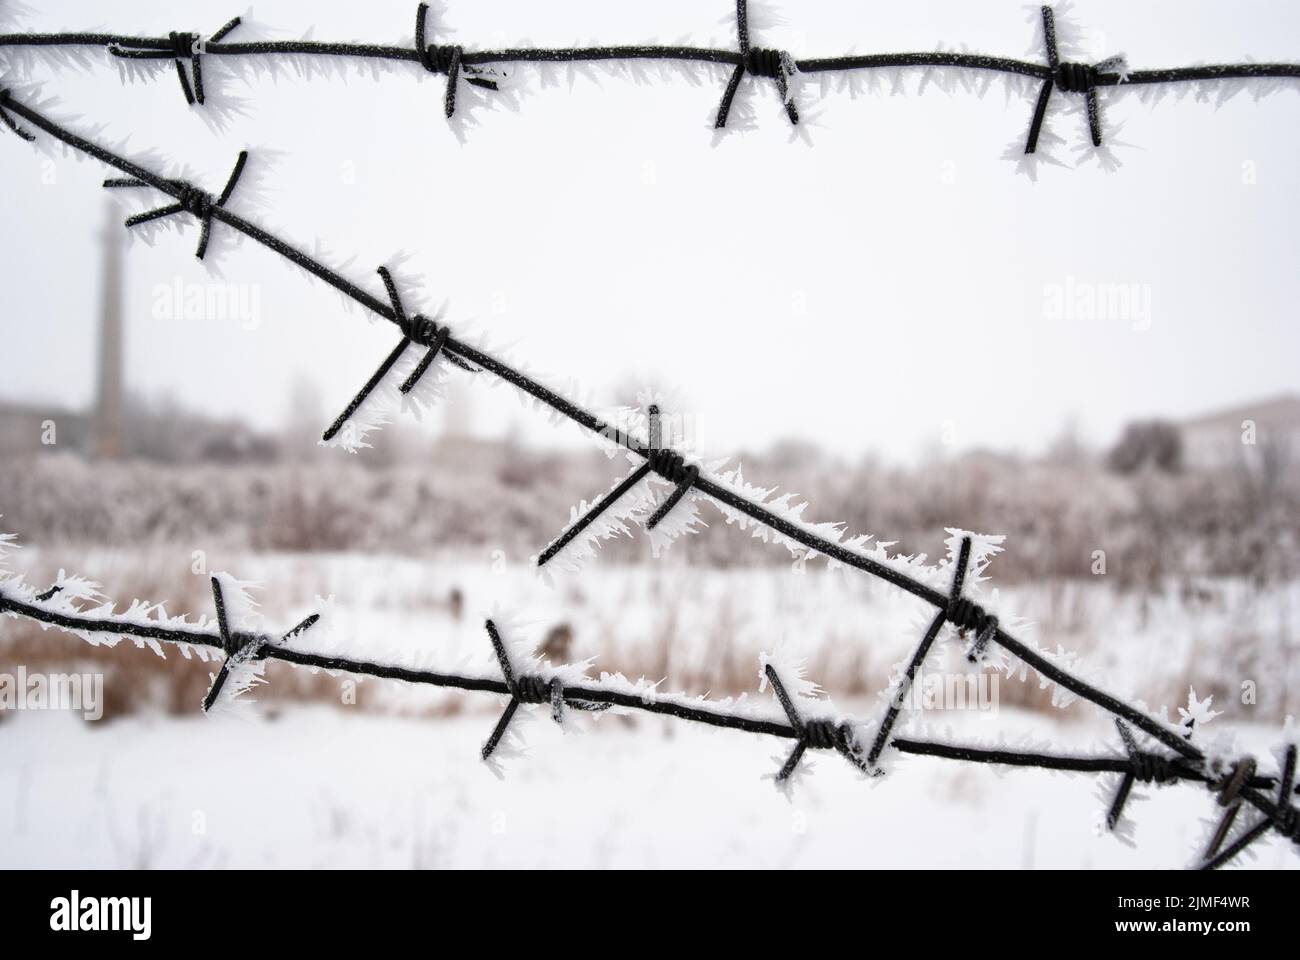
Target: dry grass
700, 633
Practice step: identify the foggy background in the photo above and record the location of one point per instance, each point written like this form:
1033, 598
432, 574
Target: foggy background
774, 284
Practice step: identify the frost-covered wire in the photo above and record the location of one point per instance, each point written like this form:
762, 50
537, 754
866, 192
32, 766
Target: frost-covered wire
567, 687
198, 203
731, 493
739, 501
416, 329
1235, 784
485, 68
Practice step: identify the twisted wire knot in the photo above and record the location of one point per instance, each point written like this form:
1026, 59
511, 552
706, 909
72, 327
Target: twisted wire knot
438, 58
1287, 820
1081, 78
195, 200
182, 43
763, 62
240, 647
1151, 767
1142, 766
1075, 77
822, 734
445, 59
416, 328
966, 614
828, 735
531, 688
419, 329
1229, 787
189, 199
249, 646
759, 62
178, 46
671, 466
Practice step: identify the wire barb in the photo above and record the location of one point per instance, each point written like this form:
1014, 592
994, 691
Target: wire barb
415, 329
445, 60
1146, 767
189, 199
672, 467
966, 614
669, 465
1286, 818
516, 695
229, 643
49, 594
774, 64
1070, 77
1229, 788
660, 460
822, 734
179, 47
528, 688
241, 648
918, 657
9, 121
603, 504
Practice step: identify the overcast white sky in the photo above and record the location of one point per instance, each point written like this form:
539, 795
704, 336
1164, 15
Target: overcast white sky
859, 291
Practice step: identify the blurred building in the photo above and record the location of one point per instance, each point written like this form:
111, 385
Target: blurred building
1249, 434
121, 425
26, 429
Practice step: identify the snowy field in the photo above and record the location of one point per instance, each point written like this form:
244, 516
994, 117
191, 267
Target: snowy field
596, 245
397, 781
317, 788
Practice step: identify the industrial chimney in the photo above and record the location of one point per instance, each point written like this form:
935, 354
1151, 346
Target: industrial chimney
109, 439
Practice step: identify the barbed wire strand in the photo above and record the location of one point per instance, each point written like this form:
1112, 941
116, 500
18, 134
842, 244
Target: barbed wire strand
820, 733
455, 62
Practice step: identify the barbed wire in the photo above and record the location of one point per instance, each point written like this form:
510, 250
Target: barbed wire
1233, 784
1236, 785
660, 460
952, 608
479, 67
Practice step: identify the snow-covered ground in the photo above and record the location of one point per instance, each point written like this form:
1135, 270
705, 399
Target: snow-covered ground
397, 781
319, 788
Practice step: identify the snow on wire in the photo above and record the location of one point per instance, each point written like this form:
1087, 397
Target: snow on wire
1234, 780
487, 69
806, 720
741, 503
